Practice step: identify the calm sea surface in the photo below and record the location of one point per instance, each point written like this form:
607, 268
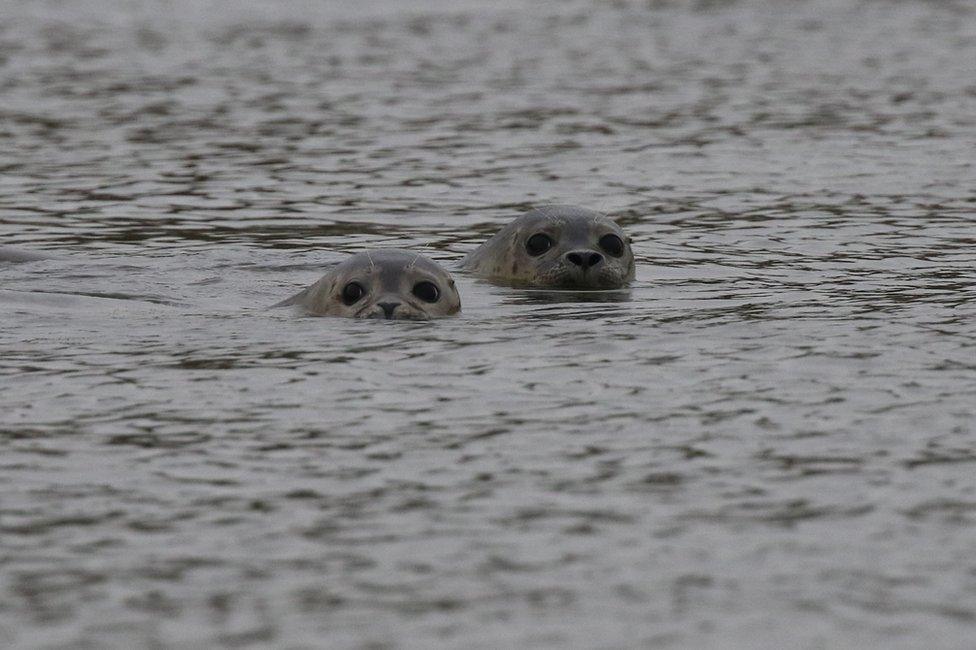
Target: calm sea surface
769, 442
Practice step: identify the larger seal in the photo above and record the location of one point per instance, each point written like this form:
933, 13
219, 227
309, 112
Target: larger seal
389, 283
556, 246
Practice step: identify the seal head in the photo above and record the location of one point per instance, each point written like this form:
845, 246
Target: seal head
389, 284
556, 246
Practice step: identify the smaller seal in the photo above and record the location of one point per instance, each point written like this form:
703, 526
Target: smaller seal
391, 283
556, 246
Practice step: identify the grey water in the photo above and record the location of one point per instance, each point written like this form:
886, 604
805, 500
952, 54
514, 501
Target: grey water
768, 442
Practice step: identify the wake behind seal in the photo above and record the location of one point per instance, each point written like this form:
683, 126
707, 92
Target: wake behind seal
556, 247
392, 284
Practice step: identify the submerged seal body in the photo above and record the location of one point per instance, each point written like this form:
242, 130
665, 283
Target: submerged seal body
556, 246
16, 256
389, 283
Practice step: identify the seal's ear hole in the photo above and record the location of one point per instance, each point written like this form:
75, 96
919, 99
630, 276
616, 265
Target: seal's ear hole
427, 291
352, 293
612, 245
538, 244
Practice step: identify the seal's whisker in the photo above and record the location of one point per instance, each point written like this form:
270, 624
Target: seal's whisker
599, 214
417, 257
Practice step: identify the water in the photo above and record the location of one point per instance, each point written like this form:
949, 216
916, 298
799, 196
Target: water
768, 442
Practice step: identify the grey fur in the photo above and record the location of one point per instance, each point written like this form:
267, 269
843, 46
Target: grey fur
387, 276
504, 257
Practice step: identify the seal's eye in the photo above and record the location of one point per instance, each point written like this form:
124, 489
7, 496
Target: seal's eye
352, 292
538, 244
612, 244
427, 291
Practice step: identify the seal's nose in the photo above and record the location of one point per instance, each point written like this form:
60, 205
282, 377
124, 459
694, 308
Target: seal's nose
388, 308
584, 259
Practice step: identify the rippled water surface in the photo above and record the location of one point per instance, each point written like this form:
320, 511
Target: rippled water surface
768, 442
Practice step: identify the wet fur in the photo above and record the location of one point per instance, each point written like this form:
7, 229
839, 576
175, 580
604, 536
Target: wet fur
387, 275
503, 257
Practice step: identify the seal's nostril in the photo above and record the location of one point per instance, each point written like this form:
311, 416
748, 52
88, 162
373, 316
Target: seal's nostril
584, 259
388, 308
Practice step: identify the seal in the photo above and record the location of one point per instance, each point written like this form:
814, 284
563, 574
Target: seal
556, 246
17, 256
390, 283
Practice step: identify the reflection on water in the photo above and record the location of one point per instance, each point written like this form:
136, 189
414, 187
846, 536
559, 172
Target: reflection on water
523, 296
766, 442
